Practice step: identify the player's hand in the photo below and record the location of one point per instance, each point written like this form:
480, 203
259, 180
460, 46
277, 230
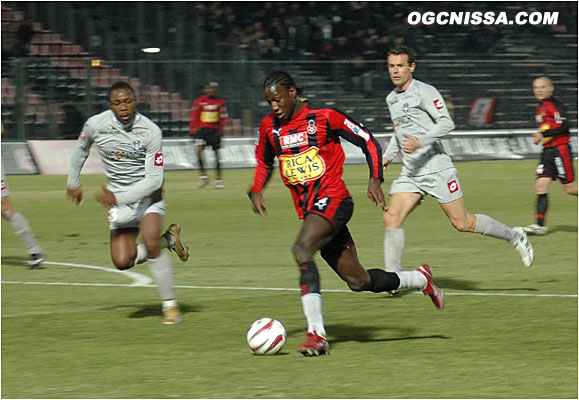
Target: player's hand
410, 145
75, 195
376, 194
258, 203
106, 198
537, 137
385, 163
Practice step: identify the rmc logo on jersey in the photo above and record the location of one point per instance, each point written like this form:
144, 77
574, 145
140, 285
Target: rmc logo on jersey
356, 129
294, 140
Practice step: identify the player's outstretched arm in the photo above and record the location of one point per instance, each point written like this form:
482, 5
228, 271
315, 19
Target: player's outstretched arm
258, 203
376, 194
75, 195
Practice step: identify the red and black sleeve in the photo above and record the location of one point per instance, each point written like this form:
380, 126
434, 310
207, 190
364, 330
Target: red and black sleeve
194, 118
557, 118
264, 155
357, 134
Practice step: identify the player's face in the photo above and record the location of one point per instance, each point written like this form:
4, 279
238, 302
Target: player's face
123, 104
542, 88
209, 90
281, 100
400, 71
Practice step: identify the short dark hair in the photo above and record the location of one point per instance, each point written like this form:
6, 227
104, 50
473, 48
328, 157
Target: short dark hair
402, 49
281, 78
121, 85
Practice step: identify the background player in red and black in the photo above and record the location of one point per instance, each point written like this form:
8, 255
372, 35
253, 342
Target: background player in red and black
557, 157
306, 141
207, 123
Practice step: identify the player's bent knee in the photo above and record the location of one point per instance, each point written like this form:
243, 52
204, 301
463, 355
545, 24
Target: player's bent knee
302, 252
123, 263
392, 220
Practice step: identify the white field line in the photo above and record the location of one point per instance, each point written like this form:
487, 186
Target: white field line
140, 280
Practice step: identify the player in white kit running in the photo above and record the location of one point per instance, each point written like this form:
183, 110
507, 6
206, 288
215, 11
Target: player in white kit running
420, 120
21, 226
130, 147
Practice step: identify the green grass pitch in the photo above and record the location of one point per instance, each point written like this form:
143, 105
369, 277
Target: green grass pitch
69, 331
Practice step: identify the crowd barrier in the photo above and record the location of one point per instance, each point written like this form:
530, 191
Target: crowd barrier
51, 157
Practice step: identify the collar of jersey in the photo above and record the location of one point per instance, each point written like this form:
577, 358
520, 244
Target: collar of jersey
299, 113
408, 88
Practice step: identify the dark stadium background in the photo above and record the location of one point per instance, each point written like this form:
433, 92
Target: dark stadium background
70, 52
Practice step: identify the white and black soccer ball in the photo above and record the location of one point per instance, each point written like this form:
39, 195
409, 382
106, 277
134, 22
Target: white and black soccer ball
266, 336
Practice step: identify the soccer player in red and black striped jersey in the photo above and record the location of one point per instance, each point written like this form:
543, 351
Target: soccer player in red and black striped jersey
208, 121
556, 158
306, 142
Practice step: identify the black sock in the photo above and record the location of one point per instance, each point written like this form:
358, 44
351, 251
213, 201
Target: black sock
200, 159
382, 281
542, 204
218, 166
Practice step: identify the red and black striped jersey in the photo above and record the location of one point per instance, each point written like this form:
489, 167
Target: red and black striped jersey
552, 120
309, 153
208, 112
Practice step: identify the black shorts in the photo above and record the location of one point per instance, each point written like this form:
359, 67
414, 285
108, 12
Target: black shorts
557, 163
343, 239
208, 137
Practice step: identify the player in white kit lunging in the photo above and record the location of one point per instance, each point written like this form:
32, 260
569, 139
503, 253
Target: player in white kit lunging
130, 147
420, 120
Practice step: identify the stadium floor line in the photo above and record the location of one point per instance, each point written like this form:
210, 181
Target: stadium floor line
141, 280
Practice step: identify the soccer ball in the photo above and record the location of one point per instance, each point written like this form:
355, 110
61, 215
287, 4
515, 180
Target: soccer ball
266, 336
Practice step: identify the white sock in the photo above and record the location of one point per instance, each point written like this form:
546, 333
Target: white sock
162, 270
22, 228
312, 304
142, 253
412, 279
394, 241
168, 304
488, 226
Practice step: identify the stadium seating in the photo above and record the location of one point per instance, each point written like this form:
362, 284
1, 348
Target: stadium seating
59, 69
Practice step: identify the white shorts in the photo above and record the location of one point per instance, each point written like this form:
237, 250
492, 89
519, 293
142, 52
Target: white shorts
129, 216
442, 185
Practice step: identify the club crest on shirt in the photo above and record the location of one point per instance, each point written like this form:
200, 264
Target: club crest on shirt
137, 145
405, 108
312, 128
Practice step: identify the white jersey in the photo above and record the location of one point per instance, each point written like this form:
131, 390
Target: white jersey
420, 112
132, 157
